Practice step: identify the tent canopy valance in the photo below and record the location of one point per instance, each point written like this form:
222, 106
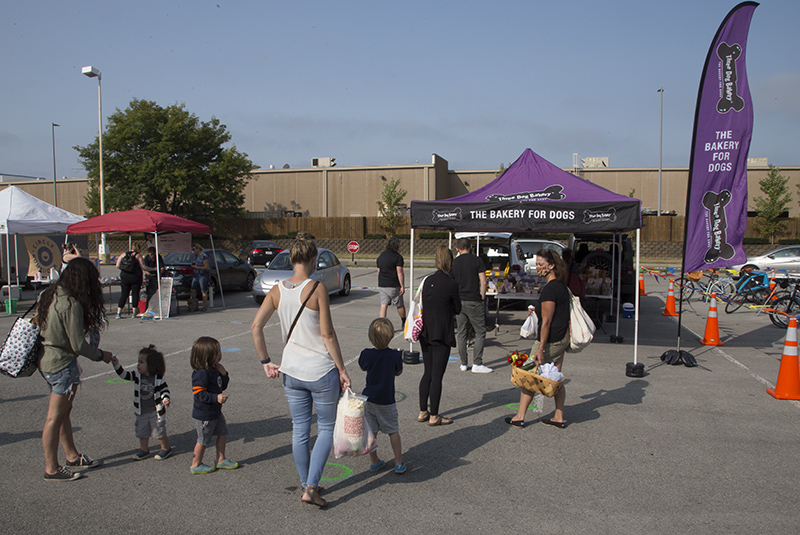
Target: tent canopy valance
532, 195
138, 221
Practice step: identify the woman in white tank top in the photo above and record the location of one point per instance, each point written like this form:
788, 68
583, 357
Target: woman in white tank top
312, 365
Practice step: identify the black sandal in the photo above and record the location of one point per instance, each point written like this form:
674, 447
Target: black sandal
560, 425
519, 424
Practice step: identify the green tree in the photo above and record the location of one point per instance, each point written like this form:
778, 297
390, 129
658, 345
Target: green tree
166, 159
389, 206
775, 203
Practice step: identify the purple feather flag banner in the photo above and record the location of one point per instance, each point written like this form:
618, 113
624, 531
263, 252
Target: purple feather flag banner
716, 204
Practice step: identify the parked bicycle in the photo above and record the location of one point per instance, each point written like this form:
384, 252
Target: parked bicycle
706, 283
787, 305
753, 289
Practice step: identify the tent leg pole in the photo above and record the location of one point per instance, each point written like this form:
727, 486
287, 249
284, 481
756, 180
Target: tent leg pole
216, 266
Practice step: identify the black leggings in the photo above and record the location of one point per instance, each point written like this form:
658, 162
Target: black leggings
434, 358
130, 286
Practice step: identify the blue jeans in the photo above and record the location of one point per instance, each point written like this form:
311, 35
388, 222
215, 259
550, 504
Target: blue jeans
302, 395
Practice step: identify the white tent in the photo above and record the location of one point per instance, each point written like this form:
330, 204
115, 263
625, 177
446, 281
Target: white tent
22, 213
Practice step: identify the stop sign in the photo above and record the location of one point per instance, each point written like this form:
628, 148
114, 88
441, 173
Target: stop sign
352, 247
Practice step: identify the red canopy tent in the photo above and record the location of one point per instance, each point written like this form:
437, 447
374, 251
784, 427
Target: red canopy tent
138, 221
144, 221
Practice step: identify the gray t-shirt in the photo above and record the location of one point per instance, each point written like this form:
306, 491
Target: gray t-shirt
147, 403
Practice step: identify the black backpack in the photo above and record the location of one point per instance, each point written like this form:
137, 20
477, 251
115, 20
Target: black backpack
129, 263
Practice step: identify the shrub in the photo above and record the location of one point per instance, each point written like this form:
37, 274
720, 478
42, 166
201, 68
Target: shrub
755, 241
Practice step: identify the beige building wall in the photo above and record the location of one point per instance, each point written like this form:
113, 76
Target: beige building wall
346, 191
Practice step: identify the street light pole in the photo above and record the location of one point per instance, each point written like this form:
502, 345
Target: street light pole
660, 150
55, 193
91, 72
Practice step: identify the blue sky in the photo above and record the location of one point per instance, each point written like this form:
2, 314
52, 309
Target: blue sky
378, 83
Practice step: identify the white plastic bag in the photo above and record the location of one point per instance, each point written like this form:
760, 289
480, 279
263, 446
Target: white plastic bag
531, 325
413, 326
581, 326
351, 433
537, 405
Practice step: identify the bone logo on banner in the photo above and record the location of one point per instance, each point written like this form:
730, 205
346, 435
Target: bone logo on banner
715, 203
730, 95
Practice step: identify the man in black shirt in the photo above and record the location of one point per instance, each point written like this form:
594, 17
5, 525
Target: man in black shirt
469, 272
391, 280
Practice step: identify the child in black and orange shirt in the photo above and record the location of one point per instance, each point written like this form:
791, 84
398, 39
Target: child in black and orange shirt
209, 379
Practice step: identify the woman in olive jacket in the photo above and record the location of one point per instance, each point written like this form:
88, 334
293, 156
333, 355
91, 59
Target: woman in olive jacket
67, 312
440, 304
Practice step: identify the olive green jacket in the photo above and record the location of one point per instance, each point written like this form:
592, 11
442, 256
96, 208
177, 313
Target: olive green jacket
65, 335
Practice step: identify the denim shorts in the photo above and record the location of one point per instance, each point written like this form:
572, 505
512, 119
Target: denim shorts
200, 281
61, 382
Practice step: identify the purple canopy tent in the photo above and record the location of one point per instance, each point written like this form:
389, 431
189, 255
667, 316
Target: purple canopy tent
533, 195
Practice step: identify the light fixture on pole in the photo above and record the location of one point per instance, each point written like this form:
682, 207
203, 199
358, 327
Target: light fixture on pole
92, 72
660, 145
55, 193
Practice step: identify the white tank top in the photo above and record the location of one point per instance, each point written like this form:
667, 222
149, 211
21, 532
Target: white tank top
305, 356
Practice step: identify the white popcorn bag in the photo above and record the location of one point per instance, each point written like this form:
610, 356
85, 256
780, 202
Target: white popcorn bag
351, 433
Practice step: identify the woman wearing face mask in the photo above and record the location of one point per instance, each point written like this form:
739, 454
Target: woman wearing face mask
553, 312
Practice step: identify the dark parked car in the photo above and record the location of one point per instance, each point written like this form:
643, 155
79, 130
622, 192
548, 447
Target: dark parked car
260, 252
234, 272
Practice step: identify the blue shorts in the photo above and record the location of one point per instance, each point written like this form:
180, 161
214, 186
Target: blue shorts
200, 282
61, 382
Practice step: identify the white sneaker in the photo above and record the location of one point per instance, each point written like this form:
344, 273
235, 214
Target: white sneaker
463, 368
480, 368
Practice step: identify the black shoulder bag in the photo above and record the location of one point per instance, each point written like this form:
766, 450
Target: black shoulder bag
302, 307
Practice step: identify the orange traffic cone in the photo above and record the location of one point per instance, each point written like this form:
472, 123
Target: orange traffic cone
772, 292
641, 284
670, 308
711, 337
788, 386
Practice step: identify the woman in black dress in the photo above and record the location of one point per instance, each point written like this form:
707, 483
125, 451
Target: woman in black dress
440, 304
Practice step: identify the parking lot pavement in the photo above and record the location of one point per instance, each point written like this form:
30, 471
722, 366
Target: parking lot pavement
681, 450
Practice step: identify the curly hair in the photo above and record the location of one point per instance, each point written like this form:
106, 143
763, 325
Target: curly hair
80, 280
155, 360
